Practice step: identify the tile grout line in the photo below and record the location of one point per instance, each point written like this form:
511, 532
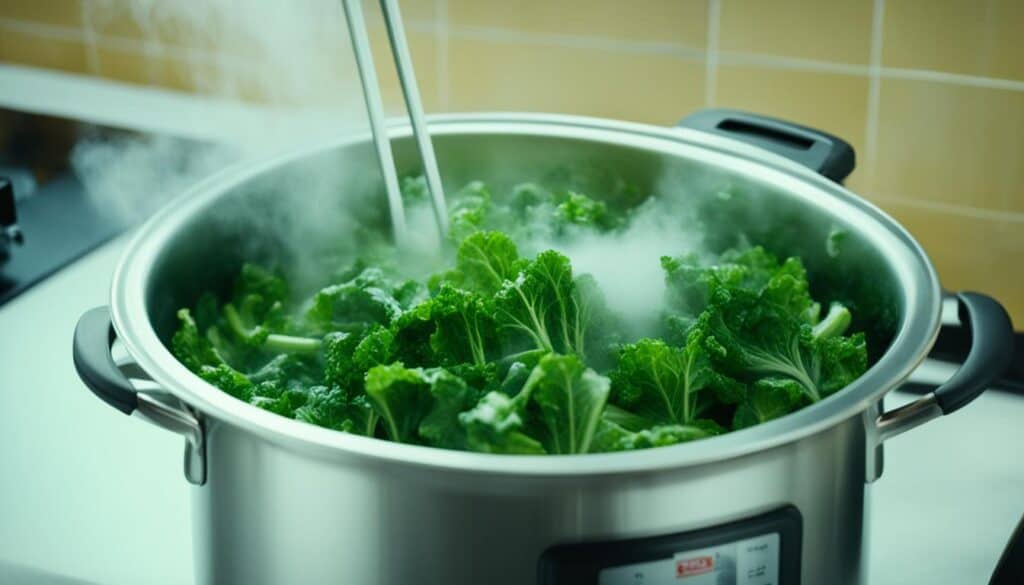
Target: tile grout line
952, 78
577, 41
43, 30
711, 56
443, 48
92, 54
874, 92
951, 208
790, 63
501, 35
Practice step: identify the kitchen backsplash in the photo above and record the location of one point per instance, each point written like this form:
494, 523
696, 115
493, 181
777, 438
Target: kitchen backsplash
931, 94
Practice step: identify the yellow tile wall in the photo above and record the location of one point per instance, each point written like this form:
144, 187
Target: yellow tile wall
832, 30
488, 75
930, 93
972, 37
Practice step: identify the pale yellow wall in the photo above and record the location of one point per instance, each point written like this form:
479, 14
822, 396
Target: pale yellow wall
930, 92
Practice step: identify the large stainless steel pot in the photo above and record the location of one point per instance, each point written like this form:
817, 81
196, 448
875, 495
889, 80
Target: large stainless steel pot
280, 501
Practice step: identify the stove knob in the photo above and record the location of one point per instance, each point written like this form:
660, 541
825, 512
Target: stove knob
10, 233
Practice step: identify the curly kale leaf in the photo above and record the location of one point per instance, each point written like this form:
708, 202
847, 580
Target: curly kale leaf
255, 281
282, 399
759, 320
451, 395
401, 398
580, 210
483, 262
545, 305
412, 330
669, 385
757, 338
189, 345
415, 190
348, 356
611, 436
419, 406
464, 327
570, 398
495, 425
365, 300
229, 380
469, 211
769, 398
334, 408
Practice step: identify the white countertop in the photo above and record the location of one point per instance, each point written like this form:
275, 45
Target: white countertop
91, 494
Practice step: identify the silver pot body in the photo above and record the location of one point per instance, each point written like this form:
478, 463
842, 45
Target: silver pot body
270, 515
285, 502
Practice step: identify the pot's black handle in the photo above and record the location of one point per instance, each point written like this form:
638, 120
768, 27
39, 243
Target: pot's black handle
991, 352
819, 151
91, 352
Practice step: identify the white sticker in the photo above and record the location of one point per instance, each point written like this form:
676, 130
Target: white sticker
758, 560
754, 561
707, 566
658, 572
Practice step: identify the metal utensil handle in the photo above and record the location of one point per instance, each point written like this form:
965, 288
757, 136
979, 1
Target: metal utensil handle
413, 103
817, 150
991, 353
375, 111
94, 335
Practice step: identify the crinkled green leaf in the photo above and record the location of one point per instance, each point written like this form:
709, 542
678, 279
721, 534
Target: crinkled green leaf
495, 425
464, 327
451, 395
613, 437
668, 385
544, 306
333, 408
365, 300
401, 397
484, 261
192, 348
769, 398
571, 398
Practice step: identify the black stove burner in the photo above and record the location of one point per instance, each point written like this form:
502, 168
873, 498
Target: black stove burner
47, 219
59, 224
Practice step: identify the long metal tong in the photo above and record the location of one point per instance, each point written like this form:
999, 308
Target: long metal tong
375, 109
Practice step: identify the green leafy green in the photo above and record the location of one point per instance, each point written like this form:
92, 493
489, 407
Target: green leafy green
571, 398
663, 383
543, 304
756, 317
501, 348
495, 425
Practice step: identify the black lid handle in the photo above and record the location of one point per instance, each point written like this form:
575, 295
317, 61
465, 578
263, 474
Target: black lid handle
819, 151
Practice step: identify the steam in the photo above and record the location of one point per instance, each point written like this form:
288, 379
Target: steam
295, 56
269, 51
129, 178
627, 264
287, 64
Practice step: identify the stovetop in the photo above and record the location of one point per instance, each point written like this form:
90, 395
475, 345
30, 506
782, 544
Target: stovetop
49, 217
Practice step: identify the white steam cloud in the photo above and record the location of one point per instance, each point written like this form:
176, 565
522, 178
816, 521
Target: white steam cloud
627, 264
273, 51
296, 55
289, 59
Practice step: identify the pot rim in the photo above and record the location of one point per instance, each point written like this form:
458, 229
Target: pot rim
918, 328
